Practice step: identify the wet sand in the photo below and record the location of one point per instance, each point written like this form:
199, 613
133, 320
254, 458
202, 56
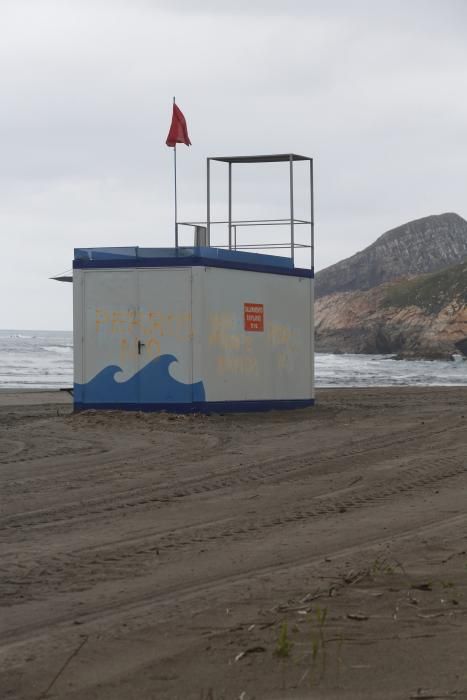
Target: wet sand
310, 554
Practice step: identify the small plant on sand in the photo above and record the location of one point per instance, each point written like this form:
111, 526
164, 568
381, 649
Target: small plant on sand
210, 695
321, 615
447, 584
284, 645
382, 566
318, 640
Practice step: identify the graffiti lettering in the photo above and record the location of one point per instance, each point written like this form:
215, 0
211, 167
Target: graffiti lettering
238, 364
145, 324
279, 334
131, 326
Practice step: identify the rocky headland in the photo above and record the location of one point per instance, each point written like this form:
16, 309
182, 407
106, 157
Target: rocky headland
386, 299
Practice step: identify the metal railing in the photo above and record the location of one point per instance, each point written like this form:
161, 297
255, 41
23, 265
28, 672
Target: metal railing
203, 228
233, 243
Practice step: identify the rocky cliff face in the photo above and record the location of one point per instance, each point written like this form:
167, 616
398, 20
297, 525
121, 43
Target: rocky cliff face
421, 246
423, 316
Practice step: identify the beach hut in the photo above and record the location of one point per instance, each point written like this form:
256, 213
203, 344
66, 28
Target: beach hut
197, 328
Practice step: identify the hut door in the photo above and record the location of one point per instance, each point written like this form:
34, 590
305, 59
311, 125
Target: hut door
110, 360
165, 335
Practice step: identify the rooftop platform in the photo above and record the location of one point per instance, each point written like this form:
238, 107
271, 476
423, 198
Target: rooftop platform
135, 256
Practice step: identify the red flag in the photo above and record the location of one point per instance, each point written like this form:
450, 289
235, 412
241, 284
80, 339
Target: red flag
178, 132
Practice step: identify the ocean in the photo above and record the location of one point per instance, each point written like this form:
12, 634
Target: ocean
36, 359
44, 360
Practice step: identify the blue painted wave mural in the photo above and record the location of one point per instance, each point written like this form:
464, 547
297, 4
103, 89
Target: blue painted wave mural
152, 384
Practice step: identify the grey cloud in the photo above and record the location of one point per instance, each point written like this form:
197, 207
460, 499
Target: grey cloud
374, 91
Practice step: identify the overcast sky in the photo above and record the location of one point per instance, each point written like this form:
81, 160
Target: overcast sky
375, 92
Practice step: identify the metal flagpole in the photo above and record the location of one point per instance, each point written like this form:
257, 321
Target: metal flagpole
175, 191
230, 206
292, 220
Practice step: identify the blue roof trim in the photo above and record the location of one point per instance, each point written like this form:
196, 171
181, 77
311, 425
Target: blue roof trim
191, 262
137, 253
201, 406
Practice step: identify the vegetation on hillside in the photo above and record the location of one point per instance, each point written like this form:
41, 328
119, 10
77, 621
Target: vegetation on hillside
430, 292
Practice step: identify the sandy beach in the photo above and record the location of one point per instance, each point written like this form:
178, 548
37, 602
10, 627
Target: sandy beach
318, 553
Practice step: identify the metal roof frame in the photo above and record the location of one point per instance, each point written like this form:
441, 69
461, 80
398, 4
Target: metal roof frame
291, 221
278, 158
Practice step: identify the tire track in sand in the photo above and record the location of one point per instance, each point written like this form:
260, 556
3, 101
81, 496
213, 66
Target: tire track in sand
275, 471
114, 561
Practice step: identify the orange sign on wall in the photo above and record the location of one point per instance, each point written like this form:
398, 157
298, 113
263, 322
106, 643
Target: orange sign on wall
253, 316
